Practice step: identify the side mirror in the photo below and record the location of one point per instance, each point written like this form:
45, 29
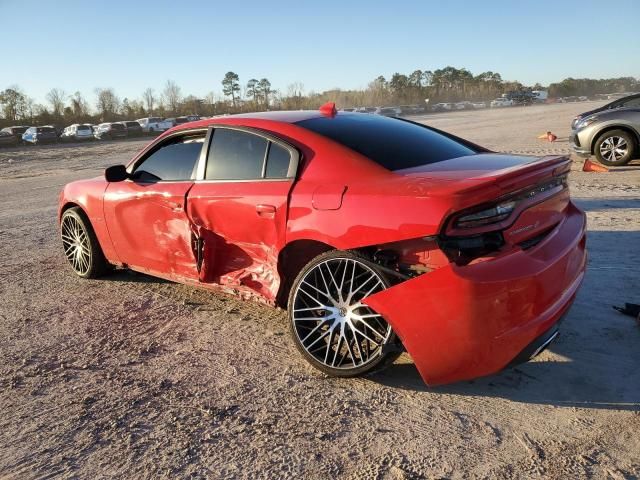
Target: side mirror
116, 173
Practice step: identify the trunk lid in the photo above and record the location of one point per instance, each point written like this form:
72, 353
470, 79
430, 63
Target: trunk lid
477, 183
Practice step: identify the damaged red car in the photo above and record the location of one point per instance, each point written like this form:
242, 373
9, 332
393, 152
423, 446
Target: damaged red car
378, 235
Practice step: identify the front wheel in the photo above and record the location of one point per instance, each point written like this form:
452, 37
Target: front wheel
615, 148
330, 326
80, 245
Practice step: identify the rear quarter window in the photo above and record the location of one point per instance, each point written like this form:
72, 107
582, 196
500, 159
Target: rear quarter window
391, 143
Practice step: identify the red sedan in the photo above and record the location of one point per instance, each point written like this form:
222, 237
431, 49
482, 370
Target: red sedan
378, 235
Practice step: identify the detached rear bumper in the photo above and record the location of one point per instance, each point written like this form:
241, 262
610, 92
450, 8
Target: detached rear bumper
459, 323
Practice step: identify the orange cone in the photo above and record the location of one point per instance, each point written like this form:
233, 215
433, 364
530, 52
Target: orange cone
590, 166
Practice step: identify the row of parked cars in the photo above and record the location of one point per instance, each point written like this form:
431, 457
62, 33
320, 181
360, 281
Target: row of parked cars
403, 110
389, 111
10, 136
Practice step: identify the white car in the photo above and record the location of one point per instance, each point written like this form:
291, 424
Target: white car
479, 105
501, 102
154, 124
77, 132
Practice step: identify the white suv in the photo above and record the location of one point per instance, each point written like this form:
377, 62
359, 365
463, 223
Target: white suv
77, 132
501, 102
154, 124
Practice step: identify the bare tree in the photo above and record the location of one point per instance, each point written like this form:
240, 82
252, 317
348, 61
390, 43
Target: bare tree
172, 95
79, 106
107, 103
149, 99
57, 98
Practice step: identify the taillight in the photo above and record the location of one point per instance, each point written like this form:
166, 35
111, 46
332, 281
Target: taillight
487, 215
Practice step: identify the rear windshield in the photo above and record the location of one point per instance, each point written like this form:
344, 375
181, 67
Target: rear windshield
84, 128
46, 130
155, 119
133, 124
391, 143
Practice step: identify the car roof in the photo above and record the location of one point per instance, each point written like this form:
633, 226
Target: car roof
287, 117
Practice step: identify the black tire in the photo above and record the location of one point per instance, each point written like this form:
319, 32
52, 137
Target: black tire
96, 264
389, 348
606, 154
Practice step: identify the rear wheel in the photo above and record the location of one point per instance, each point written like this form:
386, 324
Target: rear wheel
330, 326
615, 148
80, 245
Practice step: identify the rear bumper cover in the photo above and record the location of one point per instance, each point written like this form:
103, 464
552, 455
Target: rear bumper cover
459, 323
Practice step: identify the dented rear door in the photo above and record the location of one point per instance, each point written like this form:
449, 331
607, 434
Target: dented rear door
239, 211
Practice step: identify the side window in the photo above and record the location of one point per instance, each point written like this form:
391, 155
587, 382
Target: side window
235, 155
278, 160
172, 161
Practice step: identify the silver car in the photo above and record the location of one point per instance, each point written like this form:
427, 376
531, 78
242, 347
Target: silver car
612, 135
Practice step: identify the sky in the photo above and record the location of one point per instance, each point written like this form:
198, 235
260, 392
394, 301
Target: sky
131, 45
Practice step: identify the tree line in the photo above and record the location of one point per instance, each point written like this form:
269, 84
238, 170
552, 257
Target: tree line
448, 84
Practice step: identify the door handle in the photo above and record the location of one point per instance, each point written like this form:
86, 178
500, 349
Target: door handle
266, 210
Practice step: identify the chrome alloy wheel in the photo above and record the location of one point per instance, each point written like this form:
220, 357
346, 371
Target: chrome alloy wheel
330, 320
613, 148
77, 246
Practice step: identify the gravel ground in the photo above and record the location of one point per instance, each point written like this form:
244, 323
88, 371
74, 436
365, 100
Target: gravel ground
133, 377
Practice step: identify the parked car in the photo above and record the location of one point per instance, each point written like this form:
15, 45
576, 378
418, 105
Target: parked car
154, 124
180, 120
40, 135
442, 107
612, 135
626, 102
110, 131
133, 128
16, 131
374, 243
7, 139
367, 110
479, 105
501, 102
388, 111
77, 132
466, 105
411, 109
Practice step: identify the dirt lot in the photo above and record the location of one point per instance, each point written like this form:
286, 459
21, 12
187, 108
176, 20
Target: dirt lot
133, 377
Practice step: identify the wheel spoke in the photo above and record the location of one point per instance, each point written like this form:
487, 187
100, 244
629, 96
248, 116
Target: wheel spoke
313, 331
337, 340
